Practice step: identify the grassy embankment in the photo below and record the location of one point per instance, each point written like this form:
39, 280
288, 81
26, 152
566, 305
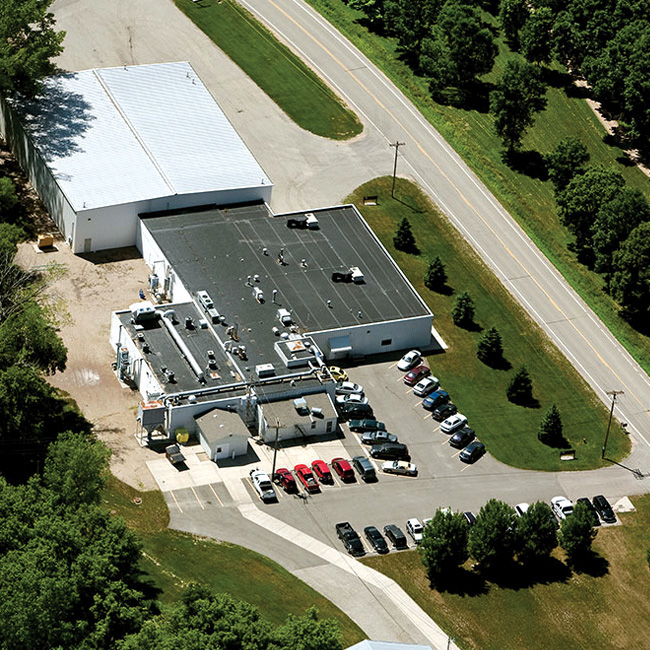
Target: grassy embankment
294, 87
508, 431
554, 610
527, 197
173, 559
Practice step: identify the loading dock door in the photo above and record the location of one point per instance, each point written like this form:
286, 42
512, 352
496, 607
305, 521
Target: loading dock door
340, 347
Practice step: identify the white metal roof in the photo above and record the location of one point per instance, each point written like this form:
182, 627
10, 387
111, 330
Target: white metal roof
119, 135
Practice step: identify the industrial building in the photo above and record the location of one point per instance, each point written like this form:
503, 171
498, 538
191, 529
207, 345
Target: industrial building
102, 146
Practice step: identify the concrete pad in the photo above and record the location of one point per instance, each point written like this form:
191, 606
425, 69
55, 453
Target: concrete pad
624, 505
169, 477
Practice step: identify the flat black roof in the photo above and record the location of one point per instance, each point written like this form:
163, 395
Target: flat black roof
217, 249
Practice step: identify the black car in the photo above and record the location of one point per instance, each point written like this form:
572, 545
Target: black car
376, 539
355, 411
462, 438
595, 521
470, 517
369, 424
365, 468
444, 411
472, 452
390, 451
604, 509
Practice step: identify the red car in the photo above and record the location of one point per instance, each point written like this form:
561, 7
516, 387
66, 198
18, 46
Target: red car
306, 478
413, 377
343, 468
322, 471
285, 478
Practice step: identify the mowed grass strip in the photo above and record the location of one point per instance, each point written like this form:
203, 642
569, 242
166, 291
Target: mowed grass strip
294, 87
559, 610
508, 431
526, 196
173, 559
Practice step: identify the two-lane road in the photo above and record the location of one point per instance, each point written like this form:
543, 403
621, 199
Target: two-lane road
523, 269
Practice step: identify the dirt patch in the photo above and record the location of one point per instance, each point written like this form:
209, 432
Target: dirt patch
83, 297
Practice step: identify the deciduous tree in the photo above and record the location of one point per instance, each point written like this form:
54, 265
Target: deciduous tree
535, 36
568, 159
492, 538
519, 94
536, 533
512, 16
577, 533
444, 544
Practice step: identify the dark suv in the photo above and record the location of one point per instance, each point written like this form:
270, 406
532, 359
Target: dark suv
355, 411
462, 438
396, 536
390, 451
365, 468
604, 509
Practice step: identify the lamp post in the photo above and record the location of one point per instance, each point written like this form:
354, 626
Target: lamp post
397, 144
614, 394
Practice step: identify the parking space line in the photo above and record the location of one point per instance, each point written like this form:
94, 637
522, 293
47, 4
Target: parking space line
456, 454
466, 467
216, 495
444, 442
410, 390
197, 497
279, 491
176, 501
335, 480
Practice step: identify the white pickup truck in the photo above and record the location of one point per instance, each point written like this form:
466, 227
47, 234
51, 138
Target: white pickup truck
262, 484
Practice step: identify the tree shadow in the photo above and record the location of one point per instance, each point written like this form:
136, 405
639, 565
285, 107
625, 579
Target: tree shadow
474, 97
577, 92
460, 582
530, 403
473, 326
556, 78
497, 364
555, 442
515, 575
591, 564
625, 160
530, 163
443, 290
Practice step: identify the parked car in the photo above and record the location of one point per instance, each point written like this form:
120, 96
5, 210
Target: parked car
376, 539
435, 399
390, 451
443, 411
343, 468
595, 519
322, 471
338, 374
413, 376
174, 454
409, 360
415, 529
402, 467
376, 437
470, 517
348, 388
521, 509
453, 423
350, 538
355, 411
365, 468
285, 479
604, 509
462, 438
369, 424
561, 507
306, 478
396, 536
262, 484
426, 386
472, 452
352, 398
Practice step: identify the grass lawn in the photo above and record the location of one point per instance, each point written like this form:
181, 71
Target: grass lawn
560, 610
273, 67
508, 431
173, 559
528, 198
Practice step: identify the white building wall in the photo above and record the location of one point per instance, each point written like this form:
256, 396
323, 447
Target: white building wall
376, 338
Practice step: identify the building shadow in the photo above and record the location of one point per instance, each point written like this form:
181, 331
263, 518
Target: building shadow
112, 255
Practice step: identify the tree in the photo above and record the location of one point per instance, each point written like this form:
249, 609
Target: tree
535, 36
309, 632
568, 159
374, 10
577, 533
582, 198
614, 222
520, 388
512, 16
436, 277
519, 94
444, 544
10, 206
630, 283
490, 348
10, 235
462, 313
404, 239
411, 22
551, 429
492, 538
28, 42
536, 533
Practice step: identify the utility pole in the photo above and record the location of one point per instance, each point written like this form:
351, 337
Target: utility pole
275, 445
397, 144
614, 394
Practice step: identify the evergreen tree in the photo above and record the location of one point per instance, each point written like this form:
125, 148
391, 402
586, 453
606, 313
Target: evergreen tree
462, 312
404, 239
520, 388
551, 429
436, 276
490, 348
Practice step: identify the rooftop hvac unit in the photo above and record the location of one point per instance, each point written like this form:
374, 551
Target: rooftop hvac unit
203, 324
312, 222
300, 405
205, 300
318, 412
214, 315
357, 275
284, 317
142, 311
264, 370
258, 294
